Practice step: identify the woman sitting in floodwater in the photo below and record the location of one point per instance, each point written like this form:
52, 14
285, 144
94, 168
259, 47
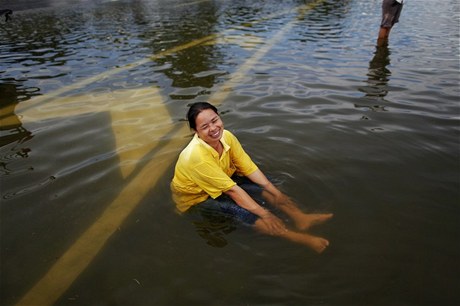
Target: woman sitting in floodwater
214, 174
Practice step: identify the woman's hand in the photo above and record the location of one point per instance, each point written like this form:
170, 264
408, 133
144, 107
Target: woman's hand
274, 224
280, 199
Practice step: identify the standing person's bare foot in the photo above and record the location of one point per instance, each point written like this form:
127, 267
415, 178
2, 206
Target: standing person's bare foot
305, 221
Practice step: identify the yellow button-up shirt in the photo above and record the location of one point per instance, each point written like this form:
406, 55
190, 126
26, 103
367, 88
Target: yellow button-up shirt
201, 173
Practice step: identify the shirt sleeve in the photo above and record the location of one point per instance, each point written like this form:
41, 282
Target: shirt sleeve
240, 159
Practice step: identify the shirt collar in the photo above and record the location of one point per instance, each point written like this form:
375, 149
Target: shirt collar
214, 153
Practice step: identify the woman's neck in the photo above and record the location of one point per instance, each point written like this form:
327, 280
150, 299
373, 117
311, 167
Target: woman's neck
218, 147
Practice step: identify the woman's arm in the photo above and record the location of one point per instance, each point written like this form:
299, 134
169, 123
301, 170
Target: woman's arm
272, 194
245, 201
260, 179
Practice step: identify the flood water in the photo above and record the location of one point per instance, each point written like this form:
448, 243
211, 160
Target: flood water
93, 96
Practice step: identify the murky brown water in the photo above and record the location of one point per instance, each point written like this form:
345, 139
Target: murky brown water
92, 98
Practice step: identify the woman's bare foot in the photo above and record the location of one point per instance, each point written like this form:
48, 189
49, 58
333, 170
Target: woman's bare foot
318, 244
305, 221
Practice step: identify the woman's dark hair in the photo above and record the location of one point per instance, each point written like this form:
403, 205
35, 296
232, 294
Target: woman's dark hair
197, 108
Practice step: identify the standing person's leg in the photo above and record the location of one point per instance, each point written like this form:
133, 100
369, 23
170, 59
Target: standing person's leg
384, 33
386, 23
391, 10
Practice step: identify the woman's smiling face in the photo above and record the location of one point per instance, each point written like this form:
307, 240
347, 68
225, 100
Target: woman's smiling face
209, 126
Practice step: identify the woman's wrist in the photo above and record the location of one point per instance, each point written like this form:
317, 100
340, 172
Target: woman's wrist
265, 214
258, 210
